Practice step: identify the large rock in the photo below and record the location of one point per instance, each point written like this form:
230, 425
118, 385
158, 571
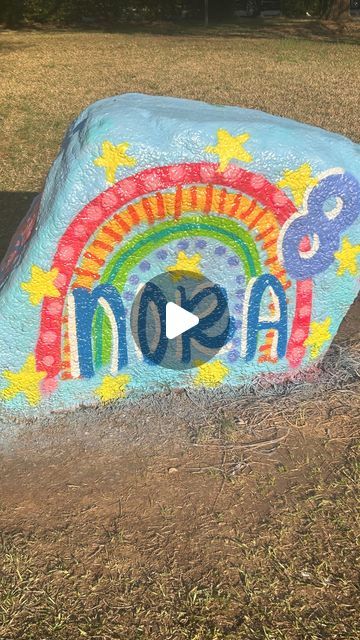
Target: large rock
265, 207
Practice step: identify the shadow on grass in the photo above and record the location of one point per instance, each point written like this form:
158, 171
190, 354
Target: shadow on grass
262, 28
14, 205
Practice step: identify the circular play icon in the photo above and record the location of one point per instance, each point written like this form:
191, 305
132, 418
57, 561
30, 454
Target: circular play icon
180, 320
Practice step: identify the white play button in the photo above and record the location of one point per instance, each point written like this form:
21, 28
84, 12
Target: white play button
178, 320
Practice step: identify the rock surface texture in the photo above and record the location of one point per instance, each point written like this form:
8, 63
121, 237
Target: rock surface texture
265, 207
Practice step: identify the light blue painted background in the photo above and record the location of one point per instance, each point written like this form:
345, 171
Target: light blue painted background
162, 131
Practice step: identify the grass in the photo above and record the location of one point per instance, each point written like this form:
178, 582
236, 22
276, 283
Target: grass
294, 577
48, 78
261, 549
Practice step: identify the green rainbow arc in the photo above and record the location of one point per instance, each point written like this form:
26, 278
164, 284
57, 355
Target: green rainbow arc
116, 273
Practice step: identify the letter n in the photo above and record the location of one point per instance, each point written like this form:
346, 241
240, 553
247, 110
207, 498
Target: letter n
254, 322
82, 307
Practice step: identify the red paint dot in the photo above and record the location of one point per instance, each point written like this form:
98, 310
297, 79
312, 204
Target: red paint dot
305, 244
48, 361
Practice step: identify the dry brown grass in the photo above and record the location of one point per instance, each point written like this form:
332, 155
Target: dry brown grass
47, 78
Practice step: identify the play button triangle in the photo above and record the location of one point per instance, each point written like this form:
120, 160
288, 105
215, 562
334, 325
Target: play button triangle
178, 320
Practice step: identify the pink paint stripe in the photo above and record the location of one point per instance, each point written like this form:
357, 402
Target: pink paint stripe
301, 324
96, 212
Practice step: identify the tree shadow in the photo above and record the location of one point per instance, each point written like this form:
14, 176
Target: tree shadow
260, 28
14, 205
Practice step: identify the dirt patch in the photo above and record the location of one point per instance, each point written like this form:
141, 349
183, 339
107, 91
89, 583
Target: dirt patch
205, 519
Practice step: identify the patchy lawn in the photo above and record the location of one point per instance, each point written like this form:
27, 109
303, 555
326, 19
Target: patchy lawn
47, 78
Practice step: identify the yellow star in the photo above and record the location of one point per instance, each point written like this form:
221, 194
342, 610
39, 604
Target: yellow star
185, 264
26, 381
113, 156
211, 374
347, 257
41, 285
229, 148
113, 387
298, 181
319, 334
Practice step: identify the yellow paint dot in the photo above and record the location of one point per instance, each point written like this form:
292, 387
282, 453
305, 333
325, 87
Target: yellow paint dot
319, 334
113, 387
347, 258
186, 264
114, 156
211, 374
26, 381
298, 180
229, 148
41, 285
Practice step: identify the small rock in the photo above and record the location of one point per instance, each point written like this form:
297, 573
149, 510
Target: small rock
173, 470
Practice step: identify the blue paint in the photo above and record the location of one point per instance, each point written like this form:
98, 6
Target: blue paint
253, 322
86, 304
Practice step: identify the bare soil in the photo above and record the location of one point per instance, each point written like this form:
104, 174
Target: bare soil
190, 516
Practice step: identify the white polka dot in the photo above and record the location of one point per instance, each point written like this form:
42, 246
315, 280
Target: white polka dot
49, 337
279, 198
304, 311
152, 181
66, 253
232, 173
110, 199
176, 173
94, 213
128, 187
257, 181
60, 280
207, 173
54, 308
299, 335
80, 231
306, 287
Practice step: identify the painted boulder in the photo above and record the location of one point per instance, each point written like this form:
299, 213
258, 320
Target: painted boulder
266, 208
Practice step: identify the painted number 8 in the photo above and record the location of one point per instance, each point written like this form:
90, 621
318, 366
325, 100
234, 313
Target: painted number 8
310, 240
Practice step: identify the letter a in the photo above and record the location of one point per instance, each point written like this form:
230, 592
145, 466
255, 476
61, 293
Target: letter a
253, 322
